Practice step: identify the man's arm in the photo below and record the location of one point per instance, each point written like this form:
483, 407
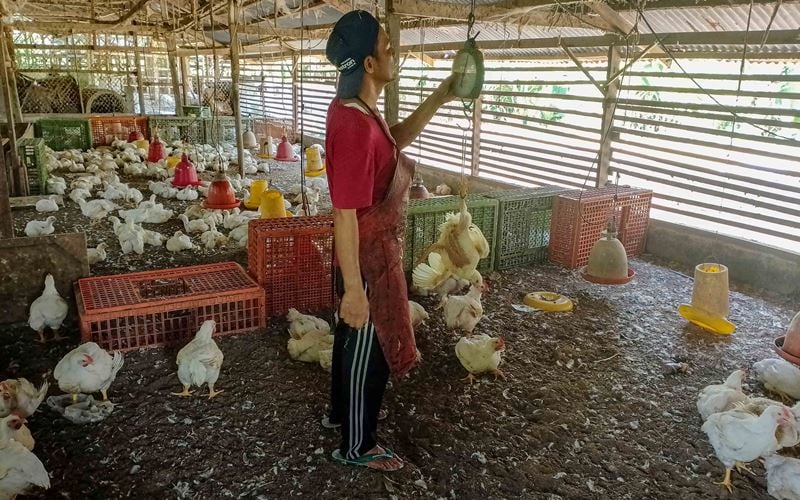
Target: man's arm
354, 309
406, 131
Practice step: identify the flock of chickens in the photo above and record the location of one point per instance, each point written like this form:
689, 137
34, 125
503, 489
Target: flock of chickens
98, 175
744, 428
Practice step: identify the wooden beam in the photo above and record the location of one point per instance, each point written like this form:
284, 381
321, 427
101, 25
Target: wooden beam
10, 121
137, 60
612, 17
477, 111
342, 6
6, 219
650, 48
610, 95
128, 15
296, 95
391, 100
173, 74
65, 28
577, 62
16, 106
233, 22
185, 79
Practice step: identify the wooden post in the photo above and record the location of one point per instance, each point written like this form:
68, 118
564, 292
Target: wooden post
296, 94
186, 79
233, 28
138, 61
476, 136
392, 97
12, 71
5, 207
6, 220
173, 73
606, 124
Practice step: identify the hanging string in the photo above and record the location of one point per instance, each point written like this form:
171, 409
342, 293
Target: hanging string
303, 197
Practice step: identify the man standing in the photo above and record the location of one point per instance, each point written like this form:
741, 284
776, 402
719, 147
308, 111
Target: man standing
369, 180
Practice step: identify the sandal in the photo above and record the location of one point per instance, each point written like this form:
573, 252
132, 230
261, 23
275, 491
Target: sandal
326, 421
366, 460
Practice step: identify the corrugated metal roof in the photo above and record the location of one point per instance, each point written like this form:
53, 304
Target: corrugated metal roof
720, 18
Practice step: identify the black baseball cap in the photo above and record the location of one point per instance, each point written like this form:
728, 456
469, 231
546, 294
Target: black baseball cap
353, 39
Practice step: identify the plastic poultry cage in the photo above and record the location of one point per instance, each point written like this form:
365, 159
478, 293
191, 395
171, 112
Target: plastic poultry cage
292, 258
523, 226
167, 307
31, 153
176, 128
579, 218
107, 128
60, 134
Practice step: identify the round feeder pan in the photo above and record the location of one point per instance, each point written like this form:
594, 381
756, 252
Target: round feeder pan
291, 159
315, 173
608, 281
227, 206
706, 321
785, 355
548, 301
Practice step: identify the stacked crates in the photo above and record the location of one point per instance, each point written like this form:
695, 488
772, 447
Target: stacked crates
60, 134
31, 152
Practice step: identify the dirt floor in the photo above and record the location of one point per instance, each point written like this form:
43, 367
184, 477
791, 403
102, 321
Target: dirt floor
586, 411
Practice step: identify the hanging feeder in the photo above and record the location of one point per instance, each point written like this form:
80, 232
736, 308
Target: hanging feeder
285, 151
249, 140
257, 188
418, 190
185, 173
220, 194
710, 299
266, 149
314, 165
157, 151
272, 205
135, 135
788, 346
608, 262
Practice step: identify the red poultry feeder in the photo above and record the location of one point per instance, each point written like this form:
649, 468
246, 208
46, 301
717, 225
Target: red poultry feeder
135, 135
788, 346
220, 194
158, 151
285, 151
185, 173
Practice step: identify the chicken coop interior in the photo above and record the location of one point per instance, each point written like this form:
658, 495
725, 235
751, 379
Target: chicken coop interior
623, 175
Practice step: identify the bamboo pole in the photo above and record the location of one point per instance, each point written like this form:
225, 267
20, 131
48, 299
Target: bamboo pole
233, 22
477, 109
138, 61
392, 97
295, 93
185, 79
611, 92
12, 82
173, 73
12, 135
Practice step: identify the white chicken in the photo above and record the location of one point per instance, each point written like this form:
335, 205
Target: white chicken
131, 238
193, 226
21, 469
158, 215
417, 313
48, 310
463, 311
97, 254
326, 359
301, 324
739, 437
48, 204
134, 196
787, 435
480, 354
135, 215
721, 397
79, 194
56, 185
239, 234
308, 347
152, 238
96, 209
778, 376
232, 220
20, 397
212, 238
461, 245
783, 477
87, 369
40, 227
187, 194
200, 361
150, 203
178, 242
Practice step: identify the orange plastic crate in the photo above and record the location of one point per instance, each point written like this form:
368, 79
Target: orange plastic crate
292, 258
275, 127
167, 307
106, 128
579, 219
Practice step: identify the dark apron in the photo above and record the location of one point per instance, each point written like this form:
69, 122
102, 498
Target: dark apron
380, 231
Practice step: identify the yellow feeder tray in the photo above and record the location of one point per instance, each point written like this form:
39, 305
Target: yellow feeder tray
315, 173
548, 301
705, 320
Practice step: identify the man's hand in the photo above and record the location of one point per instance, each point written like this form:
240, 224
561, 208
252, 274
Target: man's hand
354, 309
444, 92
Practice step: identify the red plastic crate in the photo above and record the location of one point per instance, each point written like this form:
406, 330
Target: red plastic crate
106, 128
167, 307
292, 258
579, 218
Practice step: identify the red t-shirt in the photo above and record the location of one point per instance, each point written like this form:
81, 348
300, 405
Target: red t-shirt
359, 158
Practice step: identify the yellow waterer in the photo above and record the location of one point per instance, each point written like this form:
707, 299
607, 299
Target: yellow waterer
272, 205
257, 188
314, 165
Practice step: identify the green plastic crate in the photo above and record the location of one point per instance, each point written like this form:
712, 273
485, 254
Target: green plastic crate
60, 134
175, 128
31, 152
523, 226
425, 216
222, 129
198, 111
